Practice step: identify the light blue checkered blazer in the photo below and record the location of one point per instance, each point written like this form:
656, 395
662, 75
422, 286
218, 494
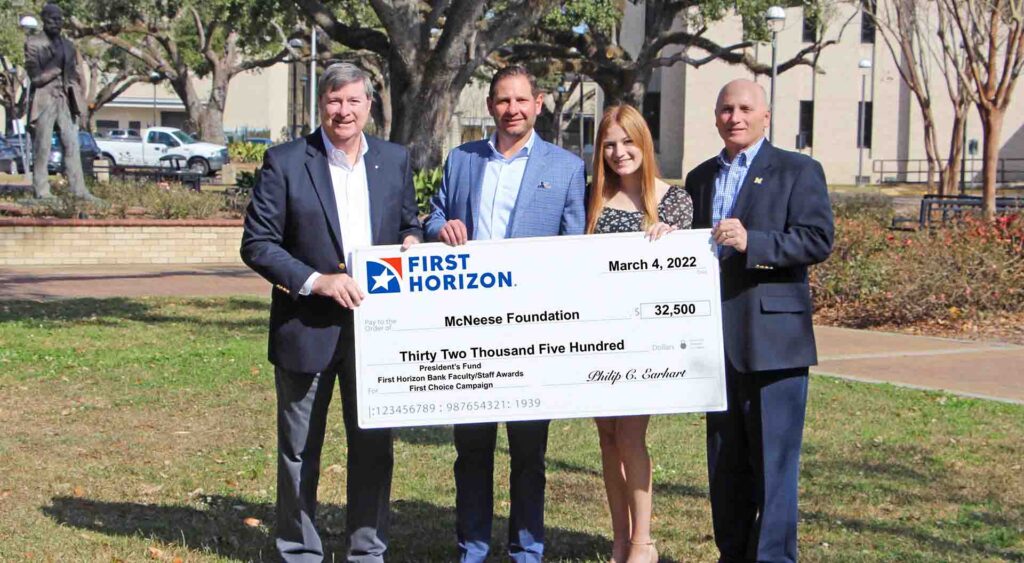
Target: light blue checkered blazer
550, 200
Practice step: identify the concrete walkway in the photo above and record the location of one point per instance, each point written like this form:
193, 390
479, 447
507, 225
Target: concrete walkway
989, 370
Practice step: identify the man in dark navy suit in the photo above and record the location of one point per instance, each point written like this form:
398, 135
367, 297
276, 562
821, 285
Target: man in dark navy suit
316, 199
770, 216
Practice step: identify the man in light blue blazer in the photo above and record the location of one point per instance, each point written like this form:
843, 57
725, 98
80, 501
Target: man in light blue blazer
513, 185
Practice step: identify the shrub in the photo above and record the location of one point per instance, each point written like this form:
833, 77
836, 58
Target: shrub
245, 179
865, 206
427, 182
163, 200
878, 276
246, 152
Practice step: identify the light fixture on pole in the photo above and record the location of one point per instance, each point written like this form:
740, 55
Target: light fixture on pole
865, 67
776, 19
154, 78
28, 24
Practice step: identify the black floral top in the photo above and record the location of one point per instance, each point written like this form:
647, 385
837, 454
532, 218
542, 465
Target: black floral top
675, 208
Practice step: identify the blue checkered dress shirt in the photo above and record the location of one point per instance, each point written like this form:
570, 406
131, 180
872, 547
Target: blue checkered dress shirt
729, 180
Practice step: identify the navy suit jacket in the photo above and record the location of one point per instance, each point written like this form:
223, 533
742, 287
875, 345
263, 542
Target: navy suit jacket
766, 301
550, 200
292, 230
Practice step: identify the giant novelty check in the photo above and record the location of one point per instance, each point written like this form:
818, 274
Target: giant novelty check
538, 328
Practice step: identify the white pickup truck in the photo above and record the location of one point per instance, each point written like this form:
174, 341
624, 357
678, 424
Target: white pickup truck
158, 142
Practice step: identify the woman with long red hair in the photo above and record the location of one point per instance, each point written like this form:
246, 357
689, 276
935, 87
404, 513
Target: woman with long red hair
626, 196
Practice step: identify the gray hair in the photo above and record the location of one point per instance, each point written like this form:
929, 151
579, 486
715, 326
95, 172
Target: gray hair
338, 75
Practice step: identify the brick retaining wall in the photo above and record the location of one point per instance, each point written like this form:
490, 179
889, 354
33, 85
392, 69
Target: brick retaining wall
53, 242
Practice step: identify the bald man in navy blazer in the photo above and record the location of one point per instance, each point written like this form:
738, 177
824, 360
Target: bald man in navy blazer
770, 215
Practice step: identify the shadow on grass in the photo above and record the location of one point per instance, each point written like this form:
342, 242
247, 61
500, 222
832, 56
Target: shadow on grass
420, 532
963, 551
108, 312
909, 473
425, 435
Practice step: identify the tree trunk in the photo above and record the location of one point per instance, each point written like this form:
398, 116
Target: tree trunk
950, 177
211, 120
182, 85
382, 112
423, 104
623, 85
422, 126
992, 128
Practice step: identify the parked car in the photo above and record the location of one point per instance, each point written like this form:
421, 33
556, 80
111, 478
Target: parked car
156, 142
123, 134
87, 148
10, 160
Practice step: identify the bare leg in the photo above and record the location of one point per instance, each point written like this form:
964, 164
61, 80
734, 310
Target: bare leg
615, 487
631, 438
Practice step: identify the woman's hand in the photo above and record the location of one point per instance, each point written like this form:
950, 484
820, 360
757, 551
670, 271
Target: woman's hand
659, 229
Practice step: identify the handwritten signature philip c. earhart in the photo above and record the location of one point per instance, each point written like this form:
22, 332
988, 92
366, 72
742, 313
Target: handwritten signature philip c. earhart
612, 376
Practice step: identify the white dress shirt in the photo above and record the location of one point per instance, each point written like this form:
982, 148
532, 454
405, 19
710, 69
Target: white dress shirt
352, 195
499, 190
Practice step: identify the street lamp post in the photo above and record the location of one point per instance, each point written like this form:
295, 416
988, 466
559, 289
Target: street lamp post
776, 18
312, 79
154, 78
28, 24
865, 66
296, 93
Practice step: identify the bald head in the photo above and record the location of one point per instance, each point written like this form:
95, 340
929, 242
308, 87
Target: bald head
741, 115
742, 86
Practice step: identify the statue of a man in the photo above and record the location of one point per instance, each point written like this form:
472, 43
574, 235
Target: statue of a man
52, 65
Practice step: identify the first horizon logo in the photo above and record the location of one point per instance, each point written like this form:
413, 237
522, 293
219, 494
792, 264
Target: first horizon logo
430, 273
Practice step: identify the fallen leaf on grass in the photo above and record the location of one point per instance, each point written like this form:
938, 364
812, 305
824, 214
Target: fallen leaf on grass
335, 469
252, 522
177, 560
154, 553
78, 492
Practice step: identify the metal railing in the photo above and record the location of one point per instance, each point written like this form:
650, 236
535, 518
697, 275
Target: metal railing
915, 171
945, 208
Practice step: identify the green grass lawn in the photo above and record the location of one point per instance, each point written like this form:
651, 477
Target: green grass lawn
143, 429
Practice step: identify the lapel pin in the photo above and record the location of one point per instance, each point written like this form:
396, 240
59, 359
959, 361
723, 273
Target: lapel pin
757, 180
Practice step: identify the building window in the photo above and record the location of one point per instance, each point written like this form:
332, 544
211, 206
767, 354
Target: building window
137, 125
867, 109
810, 26
105, 125
867, 21
805, 135
652, 115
